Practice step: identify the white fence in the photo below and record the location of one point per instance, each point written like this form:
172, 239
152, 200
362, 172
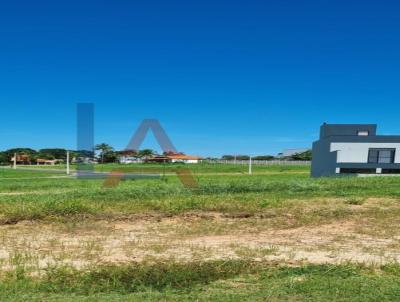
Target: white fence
261, 162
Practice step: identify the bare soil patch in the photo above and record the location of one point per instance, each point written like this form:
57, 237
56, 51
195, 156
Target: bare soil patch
193, 236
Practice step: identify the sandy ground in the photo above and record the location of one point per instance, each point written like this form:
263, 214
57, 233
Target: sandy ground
189, 237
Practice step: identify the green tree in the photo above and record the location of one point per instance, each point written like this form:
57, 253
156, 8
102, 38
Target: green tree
72, 154
4, 160
146, 153
26, 151
110, 157
132, 153
20, 151
263, 157
55, 153
104, 148
302, 156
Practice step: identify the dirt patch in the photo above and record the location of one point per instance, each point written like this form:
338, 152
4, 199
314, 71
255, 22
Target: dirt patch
192, 236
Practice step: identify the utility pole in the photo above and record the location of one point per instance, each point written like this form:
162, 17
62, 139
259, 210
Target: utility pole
15, 160
68, 163
250, 170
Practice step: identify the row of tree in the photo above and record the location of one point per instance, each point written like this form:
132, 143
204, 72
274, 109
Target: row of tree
108, 154
247, 157
55, 153
298, 156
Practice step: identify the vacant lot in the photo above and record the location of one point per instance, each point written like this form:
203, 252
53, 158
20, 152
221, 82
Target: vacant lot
276, 235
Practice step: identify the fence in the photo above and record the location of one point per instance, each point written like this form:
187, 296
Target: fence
261, 162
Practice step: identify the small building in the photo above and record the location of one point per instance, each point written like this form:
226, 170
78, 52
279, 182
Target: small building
124, 159
128, 157
182, 158
156, 159
21, 159
354, 149
84, 160
51, 162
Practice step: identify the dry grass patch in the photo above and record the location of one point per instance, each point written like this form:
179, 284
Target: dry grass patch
317, 231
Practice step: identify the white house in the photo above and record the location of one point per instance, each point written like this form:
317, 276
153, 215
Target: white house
182, 158
129, 160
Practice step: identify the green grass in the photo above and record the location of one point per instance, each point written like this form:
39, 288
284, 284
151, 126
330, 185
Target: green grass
231, 280
283, 196
38, 198
6, 173
207, 168
196, 168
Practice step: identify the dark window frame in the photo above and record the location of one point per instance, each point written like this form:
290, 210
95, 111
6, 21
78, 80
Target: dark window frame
357, 171
375, 159
390, 171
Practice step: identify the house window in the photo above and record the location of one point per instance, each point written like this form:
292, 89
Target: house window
363, 133
357, 171
381, 156
390, 171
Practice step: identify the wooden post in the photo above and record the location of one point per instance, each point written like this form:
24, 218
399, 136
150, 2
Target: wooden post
68, 163
250, 170
15, 160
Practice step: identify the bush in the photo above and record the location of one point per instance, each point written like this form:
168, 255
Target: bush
4, 160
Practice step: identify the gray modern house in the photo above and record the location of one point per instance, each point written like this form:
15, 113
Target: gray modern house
354, 149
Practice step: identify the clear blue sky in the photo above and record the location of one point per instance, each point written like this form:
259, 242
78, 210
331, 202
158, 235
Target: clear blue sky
223, 77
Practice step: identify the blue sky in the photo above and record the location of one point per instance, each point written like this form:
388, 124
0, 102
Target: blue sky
222, 77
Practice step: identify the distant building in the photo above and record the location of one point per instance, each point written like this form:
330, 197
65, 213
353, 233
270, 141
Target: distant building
84, 160
169, 157
182, 158
125, 159
174, 158
51, 162
128, 157
157, 159
291, 152
354, 149
21, 159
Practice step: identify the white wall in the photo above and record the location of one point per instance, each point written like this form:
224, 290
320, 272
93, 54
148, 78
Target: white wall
358, 152
187, 161
192, 161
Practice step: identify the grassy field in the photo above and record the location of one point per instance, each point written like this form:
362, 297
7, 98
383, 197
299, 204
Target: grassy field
195, 168
276, 235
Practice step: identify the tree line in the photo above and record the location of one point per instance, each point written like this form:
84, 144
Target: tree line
298, 156
55, 153
107, 154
